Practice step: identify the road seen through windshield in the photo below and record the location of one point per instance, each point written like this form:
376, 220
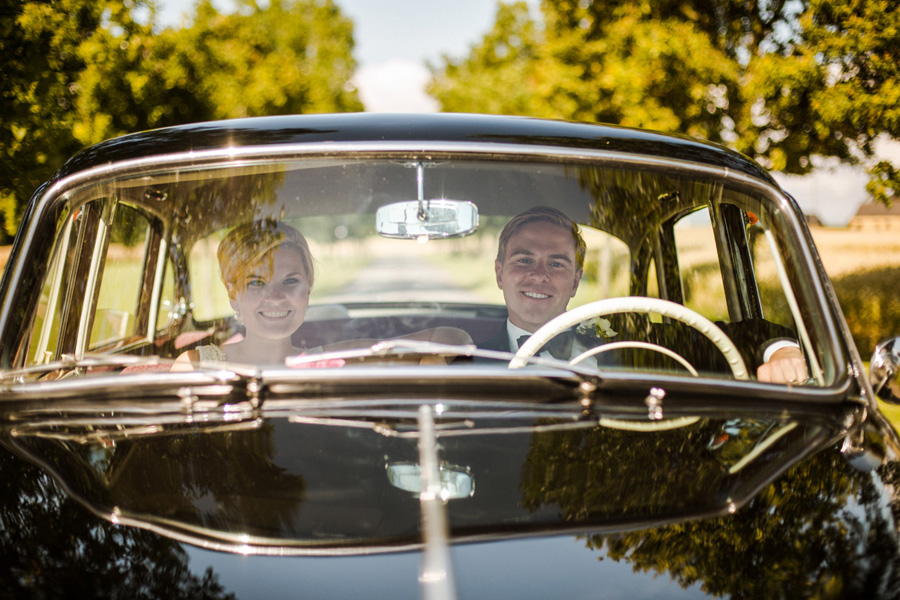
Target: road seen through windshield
402, 279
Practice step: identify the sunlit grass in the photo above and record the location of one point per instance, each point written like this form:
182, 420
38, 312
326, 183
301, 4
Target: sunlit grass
892, 412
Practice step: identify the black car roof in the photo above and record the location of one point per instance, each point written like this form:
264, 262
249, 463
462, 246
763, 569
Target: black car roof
393, 127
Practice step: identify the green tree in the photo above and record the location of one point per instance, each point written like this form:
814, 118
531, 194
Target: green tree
503, 61
39, 70
293, 56
784, 82
76, 72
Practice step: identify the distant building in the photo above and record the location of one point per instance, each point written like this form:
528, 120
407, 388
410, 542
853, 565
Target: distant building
875, 216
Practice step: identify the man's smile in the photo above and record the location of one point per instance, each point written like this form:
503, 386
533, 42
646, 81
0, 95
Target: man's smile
536, 295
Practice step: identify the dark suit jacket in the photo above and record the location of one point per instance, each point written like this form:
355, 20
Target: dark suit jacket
499, 341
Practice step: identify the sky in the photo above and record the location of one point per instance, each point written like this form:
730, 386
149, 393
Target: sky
396, 38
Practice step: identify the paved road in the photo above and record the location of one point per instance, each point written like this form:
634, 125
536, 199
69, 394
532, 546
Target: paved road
402, 279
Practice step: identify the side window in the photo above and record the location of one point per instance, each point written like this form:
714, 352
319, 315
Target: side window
772, 296
698, 259
652, 280
168, 304
48, 318
208, 294
118, 307
606, 267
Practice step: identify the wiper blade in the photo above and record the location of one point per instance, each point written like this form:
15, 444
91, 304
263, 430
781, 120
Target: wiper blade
405, 347
392, 348
69, 362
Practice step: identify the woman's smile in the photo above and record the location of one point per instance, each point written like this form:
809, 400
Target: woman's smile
275, 314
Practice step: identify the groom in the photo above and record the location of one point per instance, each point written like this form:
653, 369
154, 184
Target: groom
540, 261
539, 264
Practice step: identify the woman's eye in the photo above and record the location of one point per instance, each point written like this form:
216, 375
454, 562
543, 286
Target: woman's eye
291, 281
256, 283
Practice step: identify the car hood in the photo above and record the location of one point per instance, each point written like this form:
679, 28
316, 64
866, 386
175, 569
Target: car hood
540, 501
800, 537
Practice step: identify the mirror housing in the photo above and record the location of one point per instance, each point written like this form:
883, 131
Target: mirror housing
884, 370
418, 219
456, 482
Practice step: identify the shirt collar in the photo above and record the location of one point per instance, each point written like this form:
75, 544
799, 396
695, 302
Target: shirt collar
514, 332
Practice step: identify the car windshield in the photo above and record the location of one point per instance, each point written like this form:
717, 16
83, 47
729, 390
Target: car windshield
309, 261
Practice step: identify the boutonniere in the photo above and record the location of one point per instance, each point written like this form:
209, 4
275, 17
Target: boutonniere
598, 327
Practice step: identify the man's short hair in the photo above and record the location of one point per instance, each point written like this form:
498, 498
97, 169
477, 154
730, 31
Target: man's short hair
543, 214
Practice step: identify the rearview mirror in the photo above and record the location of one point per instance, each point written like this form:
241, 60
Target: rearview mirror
417, 219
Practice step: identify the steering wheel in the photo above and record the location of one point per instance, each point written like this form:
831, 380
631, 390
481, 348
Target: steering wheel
638, 304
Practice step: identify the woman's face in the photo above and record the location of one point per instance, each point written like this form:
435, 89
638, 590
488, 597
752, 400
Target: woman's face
272, 298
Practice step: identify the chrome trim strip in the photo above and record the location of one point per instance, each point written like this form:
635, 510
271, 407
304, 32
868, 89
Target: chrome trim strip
333, 149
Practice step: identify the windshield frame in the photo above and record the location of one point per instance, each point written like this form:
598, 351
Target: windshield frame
34, 247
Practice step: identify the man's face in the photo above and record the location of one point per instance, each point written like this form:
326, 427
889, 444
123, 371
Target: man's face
538, 274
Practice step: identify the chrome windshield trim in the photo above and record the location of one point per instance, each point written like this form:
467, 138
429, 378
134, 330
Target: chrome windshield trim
312, 386
334, 149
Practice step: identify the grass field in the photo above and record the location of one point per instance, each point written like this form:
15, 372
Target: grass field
846, 251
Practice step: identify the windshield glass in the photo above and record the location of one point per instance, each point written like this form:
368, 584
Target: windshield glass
614, 267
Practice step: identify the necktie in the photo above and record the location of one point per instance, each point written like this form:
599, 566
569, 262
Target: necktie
560, 347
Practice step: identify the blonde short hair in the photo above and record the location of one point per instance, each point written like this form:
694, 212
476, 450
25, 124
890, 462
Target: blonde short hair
247, 245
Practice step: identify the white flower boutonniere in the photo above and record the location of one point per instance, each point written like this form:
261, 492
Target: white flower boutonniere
599, 327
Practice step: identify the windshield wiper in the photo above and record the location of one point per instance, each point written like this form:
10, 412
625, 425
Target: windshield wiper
69, 362
399, 348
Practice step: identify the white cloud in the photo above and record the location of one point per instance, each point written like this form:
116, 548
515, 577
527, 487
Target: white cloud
397, 85
833, 194
887, 149
834, 191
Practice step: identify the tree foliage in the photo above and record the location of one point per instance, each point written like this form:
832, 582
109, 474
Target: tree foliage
290, 57
788, 83
39, 70
53, 547
76, 72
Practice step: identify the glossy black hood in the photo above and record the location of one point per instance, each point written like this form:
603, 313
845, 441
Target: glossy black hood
584, 512
426, 128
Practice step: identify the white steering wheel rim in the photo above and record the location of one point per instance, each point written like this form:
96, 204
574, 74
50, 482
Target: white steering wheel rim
636, 344
639, 304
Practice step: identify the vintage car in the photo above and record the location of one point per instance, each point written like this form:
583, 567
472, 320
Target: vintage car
389, 450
